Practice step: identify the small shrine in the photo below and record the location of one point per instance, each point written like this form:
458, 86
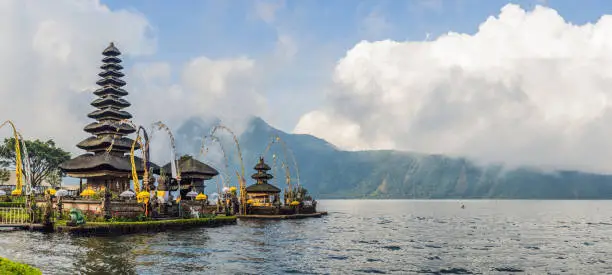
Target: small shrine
193, 175
262, 194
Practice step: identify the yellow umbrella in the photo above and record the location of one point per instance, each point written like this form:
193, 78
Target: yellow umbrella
201, 197
294, 203
51, 191
88, 192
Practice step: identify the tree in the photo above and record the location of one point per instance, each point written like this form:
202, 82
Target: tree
55, 179
45, 158
5, 175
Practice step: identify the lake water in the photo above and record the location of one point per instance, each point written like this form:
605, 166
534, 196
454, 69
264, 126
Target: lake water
358, 237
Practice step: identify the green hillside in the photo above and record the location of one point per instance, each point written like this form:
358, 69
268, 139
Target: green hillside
331, 173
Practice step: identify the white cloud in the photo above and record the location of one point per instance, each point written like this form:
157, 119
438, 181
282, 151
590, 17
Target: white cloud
51, 53
286, 47
224, 88
266, 10
527, 88
227, 88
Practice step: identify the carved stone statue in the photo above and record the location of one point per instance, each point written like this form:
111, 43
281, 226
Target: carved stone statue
76, 217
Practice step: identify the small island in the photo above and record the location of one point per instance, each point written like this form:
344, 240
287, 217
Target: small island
263, 199
120, 193
117, 191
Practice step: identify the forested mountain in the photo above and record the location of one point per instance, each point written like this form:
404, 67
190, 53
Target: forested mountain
328, 172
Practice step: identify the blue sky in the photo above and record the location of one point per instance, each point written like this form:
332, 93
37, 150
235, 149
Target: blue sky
321, 30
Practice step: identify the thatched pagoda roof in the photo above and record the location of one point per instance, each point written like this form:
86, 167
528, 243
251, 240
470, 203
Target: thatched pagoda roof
111, 80
109, 113
262, 176
110, 90
110, 101
262, 188
109, 127
100, 143
261, 165
90, 163
111, 59
192, 168
111, 50
111, 66
114, 73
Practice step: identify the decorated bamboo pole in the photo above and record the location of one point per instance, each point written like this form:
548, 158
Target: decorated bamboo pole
175, 169
205, 149
241, 180
144, 195
286, 152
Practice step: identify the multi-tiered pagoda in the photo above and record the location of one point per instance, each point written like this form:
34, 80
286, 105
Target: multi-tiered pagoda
100, 167
262, 193
193, 175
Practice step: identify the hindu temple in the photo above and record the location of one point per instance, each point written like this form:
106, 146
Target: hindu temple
193, 175
100, 167
262, 194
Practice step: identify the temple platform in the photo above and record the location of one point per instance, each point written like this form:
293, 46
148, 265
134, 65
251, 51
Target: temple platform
282, 217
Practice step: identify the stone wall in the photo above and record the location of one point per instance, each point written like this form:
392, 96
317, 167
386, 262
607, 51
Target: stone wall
127, 209
263, 210
96, 207
131, 208
199, 207
86, 206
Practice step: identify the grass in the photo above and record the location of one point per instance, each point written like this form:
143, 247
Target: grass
8, 267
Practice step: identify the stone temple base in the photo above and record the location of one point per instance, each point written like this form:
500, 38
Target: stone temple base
132, 209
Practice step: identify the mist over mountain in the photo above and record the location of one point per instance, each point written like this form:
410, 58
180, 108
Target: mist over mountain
328, 172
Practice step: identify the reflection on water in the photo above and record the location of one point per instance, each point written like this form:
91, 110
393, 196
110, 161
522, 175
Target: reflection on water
490, 237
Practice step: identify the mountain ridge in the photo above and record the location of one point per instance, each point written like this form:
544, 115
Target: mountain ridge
328, 172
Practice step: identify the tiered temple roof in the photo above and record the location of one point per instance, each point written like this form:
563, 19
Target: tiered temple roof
262, 176
109, 111
107, 129
192, 168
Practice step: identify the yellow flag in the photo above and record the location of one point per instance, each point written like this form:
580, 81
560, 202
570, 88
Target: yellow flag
18, 168
133, 162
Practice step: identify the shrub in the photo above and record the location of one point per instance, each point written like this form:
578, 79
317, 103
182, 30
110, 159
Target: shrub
12, 268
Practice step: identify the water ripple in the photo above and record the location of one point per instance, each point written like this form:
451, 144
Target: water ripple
358, 237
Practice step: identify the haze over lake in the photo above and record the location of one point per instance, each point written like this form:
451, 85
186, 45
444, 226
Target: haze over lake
358, 237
